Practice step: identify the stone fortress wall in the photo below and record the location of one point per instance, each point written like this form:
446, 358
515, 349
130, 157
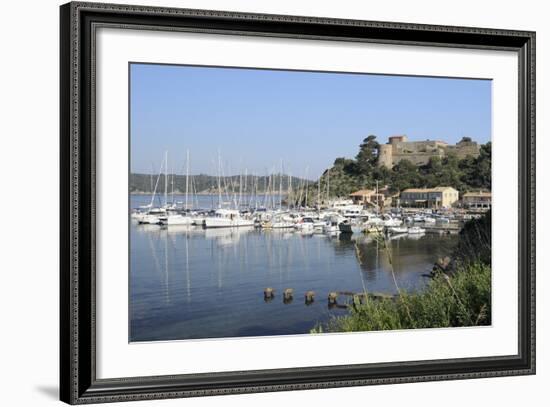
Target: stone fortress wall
419, 152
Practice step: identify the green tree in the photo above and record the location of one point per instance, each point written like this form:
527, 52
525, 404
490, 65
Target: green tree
405, 175
483, 173
383, 175
368, 154
432, 172
476, 172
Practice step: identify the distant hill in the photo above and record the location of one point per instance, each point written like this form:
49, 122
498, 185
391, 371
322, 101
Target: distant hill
145, 183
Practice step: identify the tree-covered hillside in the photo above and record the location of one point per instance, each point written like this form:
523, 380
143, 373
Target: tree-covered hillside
348, 175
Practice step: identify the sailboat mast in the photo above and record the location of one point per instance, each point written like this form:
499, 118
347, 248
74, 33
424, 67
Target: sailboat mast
256, 194
306, 183
281, 187
273, 189
245, 189
301, 197
156, 185
187, 180
240, 189
319, 191
172, 178
166, 179
152, 171
267, 188
289, 190
219, 180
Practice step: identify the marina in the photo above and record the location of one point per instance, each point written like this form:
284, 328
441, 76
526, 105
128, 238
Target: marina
190, 281
286, 221
340, 216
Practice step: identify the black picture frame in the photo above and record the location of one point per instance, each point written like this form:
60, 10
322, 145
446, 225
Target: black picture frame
78, 382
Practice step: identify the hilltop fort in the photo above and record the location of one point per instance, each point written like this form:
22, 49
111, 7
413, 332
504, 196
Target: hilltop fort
419, 152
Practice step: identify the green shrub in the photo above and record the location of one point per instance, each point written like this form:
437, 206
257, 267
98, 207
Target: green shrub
463, 299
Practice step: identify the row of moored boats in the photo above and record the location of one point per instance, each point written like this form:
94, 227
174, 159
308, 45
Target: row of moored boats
342, 217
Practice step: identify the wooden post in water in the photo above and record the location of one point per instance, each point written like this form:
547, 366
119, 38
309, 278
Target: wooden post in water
269, 294
288, 295
332, 297
309, 297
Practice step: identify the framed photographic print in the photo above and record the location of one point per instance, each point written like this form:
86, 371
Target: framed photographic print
256, 203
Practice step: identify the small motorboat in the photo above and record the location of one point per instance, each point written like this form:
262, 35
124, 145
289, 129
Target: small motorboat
331, 227
305, 224
398, 229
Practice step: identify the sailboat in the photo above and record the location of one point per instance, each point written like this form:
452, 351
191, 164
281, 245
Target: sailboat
152, 216
225, 218
174, 218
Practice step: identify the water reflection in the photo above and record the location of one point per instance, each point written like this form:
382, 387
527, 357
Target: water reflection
188, 282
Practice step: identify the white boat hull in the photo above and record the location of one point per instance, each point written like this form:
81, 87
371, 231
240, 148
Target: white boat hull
176, 220
330, 229
226, 222
282, 225
149, 219
392, 223
198, 221
304, 227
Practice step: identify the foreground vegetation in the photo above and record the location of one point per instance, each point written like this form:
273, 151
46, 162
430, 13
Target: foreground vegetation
463, 299
457, 295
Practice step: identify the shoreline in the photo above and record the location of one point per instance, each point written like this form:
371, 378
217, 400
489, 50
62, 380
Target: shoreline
207, 193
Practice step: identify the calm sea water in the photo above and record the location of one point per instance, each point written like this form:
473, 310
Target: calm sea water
190, 283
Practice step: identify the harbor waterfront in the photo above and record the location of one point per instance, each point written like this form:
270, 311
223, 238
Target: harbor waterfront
295, 208
191, 282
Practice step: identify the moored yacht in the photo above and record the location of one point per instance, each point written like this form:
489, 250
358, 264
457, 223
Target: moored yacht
390, 221
151, 217
173, 219
331, 227
305, 224
398, 229
227, 218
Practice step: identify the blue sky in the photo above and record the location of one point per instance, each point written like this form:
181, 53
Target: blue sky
256, 118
